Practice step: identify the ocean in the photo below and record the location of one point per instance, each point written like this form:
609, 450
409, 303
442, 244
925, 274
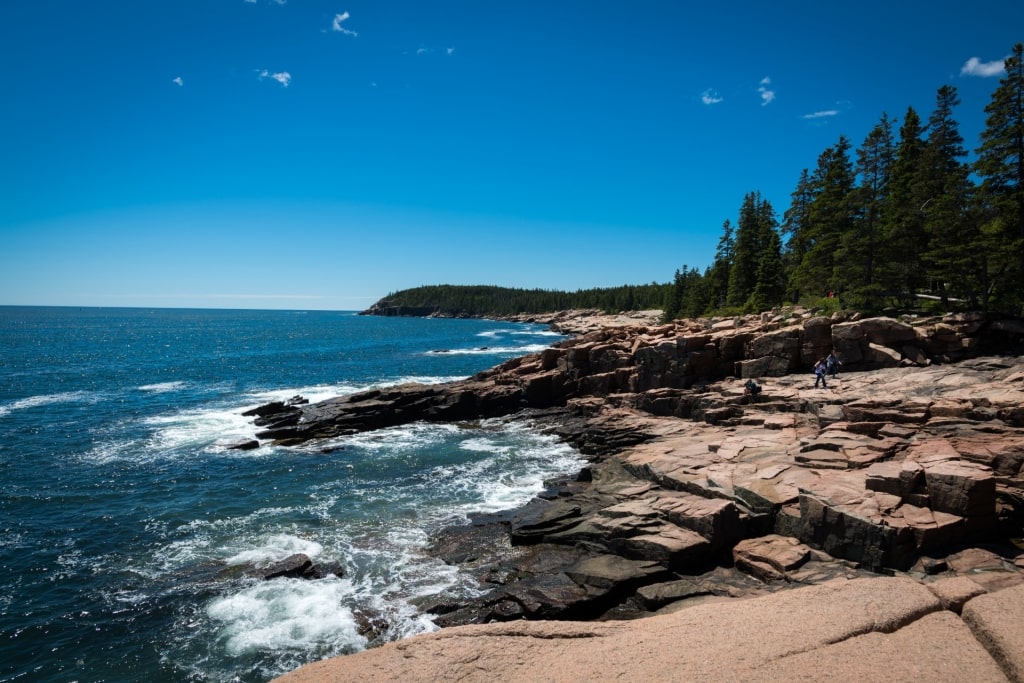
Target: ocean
127, 524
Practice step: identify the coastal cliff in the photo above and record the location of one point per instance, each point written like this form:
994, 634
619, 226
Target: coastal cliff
909, 462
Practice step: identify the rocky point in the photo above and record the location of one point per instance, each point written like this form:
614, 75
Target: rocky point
909, 461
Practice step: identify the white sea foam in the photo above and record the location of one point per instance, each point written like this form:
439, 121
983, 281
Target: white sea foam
198, 429
323, 392
275, 548
163, 387
491, 350
538, 333
395, 440
286, 614
484, 445
50, 399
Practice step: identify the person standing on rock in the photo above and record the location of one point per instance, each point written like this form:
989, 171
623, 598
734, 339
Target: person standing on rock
819, 374
832, 364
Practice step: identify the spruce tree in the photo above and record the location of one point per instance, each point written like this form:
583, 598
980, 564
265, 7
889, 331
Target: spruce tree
796, 230
954, 253
770, 279
828, 219
718, 275
1000, 165
754, 233
904, 239
857, 257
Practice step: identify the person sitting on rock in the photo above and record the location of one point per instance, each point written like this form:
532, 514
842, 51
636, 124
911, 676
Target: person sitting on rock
751, 388
819, 374
832, 364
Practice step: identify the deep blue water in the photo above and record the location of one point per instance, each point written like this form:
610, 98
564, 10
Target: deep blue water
122, 512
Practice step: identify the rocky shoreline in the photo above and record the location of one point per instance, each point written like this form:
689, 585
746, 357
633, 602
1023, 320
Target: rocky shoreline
909, 463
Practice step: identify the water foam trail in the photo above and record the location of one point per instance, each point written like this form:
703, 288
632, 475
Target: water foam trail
323, 392
163, 387
491, 350
51, 399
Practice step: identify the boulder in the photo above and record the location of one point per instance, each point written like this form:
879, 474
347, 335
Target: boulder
770, 557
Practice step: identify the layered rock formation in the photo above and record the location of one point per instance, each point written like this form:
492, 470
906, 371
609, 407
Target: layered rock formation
910, 461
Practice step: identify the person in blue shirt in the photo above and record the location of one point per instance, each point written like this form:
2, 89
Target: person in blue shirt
832, 364
819, 374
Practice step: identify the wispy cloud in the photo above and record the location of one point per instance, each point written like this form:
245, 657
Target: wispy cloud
710, 96
822, 114
450, 51
767, 96
423, 50
337, 27
178, 81
282, 77
976, 67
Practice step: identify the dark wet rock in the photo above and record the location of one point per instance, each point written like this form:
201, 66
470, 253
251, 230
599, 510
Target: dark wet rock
297, 566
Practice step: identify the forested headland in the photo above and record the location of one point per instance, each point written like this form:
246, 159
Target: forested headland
904, 221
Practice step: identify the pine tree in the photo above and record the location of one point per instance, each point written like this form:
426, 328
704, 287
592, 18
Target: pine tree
771, 280
904, 238
1000, 165
743, 271
954, 251
857, 257
795, 228
754, 232
828, 218
718, 275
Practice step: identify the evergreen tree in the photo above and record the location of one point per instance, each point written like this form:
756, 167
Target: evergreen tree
1000, 165
954, 253
674, 297
718, 275
795, 227
901, 271
744, 258
828, 218
771, 279
857, 258
753, 236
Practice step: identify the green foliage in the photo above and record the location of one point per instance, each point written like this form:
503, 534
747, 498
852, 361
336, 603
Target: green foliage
1000, 202
824, 305
478, 300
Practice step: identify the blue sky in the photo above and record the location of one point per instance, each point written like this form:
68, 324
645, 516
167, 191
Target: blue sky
314, 154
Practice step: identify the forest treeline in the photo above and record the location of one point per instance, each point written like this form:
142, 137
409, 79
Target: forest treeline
902, 219
476, 300
903, 216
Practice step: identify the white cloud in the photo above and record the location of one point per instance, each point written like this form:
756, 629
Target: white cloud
710, 96
336, 25
767, 96
178, 80
450, 50
422, 50
282, 77
976, 67
822, 114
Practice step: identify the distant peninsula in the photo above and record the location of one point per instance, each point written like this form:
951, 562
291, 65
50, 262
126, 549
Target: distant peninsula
480, 301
